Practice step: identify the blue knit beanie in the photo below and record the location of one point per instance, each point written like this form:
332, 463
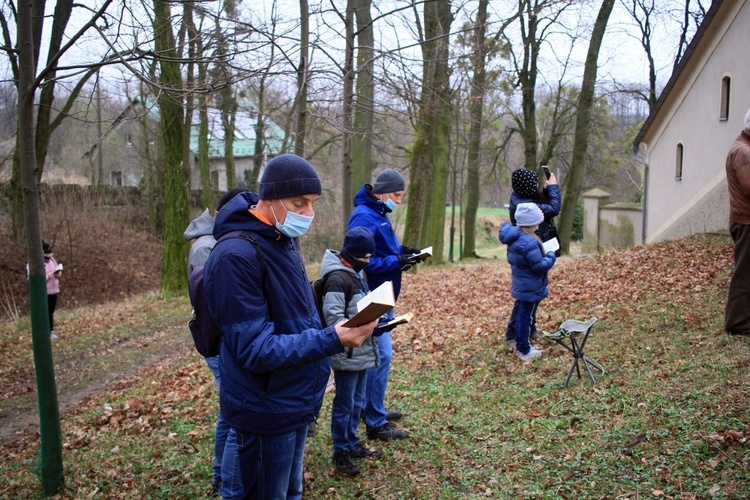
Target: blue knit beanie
389, 181
359, 242
287, 176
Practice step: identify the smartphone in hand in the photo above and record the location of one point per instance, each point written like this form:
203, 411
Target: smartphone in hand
547, 171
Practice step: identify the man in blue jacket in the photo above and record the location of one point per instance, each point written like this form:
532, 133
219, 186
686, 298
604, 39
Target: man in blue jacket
274, 352
372, 204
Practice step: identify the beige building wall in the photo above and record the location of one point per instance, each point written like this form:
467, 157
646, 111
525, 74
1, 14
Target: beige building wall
691, 117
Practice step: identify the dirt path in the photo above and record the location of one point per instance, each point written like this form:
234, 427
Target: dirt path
78, 380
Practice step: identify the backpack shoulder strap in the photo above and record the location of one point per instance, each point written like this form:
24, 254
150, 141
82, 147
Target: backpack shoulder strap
348, 291
247, 235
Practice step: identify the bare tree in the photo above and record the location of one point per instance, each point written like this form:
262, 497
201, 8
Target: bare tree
574, 179
300, 101
171, 111
431, 152
364, 105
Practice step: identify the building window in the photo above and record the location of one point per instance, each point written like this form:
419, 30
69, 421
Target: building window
116, 178
215, 180
726, 85
678, 162
129, 140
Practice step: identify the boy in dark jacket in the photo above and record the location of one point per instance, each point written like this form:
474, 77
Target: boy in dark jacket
274, 351
345, 284
529, 265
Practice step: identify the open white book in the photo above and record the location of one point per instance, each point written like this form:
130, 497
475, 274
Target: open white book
373, 305
551, 245
398, 320
425, 253
59, 267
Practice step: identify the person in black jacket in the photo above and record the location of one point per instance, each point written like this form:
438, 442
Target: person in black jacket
525, 185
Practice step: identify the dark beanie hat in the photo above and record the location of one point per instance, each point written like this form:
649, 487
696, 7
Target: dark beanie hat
389, 181
525, 182
46, 247
359, 242
287, 176
228, 197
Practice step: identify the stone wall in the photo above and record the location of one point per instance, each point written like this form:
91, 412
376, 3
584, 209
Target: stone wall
610, 225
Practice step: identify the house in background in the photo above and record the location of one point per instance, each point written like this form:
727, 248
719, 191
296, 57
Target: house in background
129, 149
243, 146
684, 142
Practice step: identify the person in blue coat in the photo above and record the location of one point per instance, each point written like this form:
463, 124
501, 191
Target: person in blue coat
274, 360
372, 204
529, 266
525, 185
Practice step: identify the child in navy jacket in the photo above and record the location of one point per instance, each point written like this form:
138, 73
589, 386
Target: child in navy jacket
529, 265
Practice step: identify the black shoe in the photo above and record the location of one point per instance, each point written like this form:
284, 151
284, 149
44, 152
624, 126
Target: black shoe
344, 464
393, 415
386, 432
360, 451
739, 332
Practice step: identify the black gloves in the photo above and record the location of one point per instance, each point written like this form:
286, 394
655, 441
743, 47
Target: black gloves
405, 261
411, 250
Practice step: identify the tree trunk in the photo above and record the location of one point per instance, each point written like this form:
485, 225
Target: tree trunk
51, 465
300, 107
207, 190
425, 217
227, 105
228, 117
527, 78
63, 9
574, 179
260, 136
174, 253
364, 105
347, 110
476, 106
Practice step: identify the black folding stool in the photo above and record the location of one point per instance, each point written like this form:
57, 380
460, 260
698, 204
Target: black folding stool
569, 336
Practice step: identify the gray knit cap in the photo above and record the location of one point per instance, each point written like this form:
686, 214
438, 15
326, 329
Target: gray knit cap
389, 181
528, 214
287, 176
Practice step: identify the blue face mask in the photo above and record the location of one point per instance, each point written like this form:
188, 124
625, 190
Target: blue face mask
390, 204
295, 225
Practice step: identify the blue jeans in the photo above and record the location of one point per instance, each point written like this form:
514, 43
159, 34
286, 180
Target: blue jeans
226, 462
271, 465
347, 406
524, 319
377, 380
510, 330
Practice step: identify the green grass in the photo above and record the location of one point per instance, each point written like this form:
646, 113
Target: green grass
671, 418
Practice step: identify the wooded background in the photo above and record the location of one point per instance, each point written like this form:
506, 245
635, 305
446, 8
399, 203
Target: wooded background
456, 95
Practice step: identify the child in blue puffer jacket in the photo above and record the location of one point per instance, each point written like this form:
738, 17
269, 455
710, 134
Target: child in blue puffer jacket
529, 265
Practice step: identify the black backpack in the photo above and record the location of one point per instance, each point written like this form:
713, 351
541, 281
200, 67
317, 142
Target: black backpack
318, 291
206, 335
